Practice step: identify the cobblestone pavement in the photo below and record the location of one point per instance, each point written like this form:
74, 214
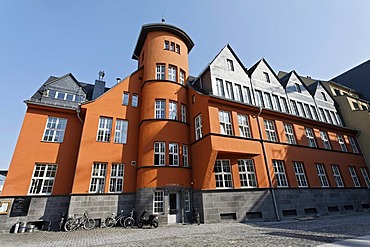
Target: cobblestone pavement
285, 233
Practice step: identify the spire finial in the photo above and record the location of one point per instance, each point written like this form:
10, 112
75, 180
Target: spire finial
163, 20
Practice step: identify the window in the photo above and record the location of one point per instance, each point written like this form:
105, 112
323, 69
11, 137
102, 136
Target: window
174, 154
54, 129
364, 107
160, 109
229, 90
125, 98
267, 78
198, 127
325, 140
314, 113
238, 93
187, 200
294, 107
158, 202
220, 88
270, 130
183, 113
322, 115
279, 171
297, 88
337, 176
276, 103
166, 45
135, 100
259, 99
342, 145
289, 133
173, 110
225, 123
300, 174
116, 178
104, 129
333, 117
366, 177
230, 65
308, 111
247, 174
267, 100
310, 137
338, 118
42, 181
159, 153
353, 144
182, 77
336, 92
328, 117
120, 133
98, 177
223, 174
247, 95
284, 105
172, 46
322, 175
185, 155
324, 96
244, 126
352, 171
301, 110
172, 72
177, 49
161, 72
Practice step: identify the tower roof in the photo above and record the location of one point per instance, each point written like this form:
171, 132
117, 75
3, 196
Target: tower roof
145, 29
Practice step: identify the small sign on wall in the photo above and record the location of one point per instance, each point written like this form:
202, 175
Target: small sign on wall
20, 206
5, 207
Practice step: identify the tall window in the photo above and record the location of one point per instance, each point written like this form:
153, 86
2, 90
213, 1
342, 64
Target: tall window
366, 177
98, 177
267, 78
116, 178
337, 176
183, 113
223, 174
120, 133
230, 65
247, 174
267, 100
270, 130
297, 88
238, 93
185, 155
220, 88
42, 181
301, 110
325, 139
294, 107
324, 96
300, 174
135, 100
352, 171
166, 45
279, 171
187, 200
342, 145
310, 137
229, 90
125, 98
353, 144
160, 109
161, 72
284, 105
247, 95
54, 129
259, 99
225, 123
173, 151
104, 129
198, 127
314, 112
159, 153
322, 115
322, 175
177, 49
158, 202
276, 103
244, 126
182, 77
173, 110
328, 117
308, 111
172, 46
289, 133
172, 72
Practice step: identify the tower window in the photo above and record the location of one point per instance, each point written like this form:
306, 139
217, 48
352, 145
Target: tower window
177, 49
166, 45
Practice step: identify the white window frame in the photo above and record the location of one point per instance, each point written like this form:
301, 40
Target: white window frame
322, 175
280, 176
301, 111
160, 109
120, 132
247, 174
173, 152
341, 142
54, 129
294, 107
259, 98
337, 176
172, 73
125, 98
297, 88
310, 137
172, 108
159, 153
366, 176
160, 72
354, 177
220, 90
43, 178
104, 129
230, 64
135, 100
187, 201
284, 105
276, 103
158, 202
300, 174
352, 141
243, 122
198, 127
183, 113
185, 155
308, 111
314, 112
289, 133
226, 127
270, 130
166, 45
267, 77
116, 178
238, 93
247, 95
267, 100
182, 77
223, 175
98, 173
325, 139
229, 90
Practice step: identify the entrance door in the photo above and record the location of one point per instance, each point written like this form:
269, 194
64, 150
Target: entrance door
173, 207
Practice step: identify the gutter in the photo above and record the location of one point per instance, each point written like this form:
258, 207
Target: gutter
78, 110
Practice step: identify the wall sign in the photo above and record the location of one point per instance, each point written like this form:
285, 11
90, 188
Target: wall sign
20, 206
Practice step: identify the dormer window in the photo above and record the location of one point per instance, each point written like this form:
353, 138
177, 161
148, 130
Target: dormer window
267, 77
297, 88
324, 96
230, 65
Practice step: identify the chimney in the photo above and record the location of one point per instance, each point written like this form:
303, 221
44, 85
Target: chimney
99, 86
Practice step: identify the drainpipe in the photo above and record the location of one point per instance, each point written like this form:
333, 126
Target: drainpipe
267, 165
78, 110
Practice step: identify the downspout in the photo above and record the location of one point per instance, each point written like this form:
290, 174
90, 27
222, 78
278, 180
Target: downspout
267, 165
78, 110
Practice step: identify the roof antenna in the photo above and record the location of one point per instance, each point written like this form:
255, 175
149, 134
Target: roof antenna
163, 20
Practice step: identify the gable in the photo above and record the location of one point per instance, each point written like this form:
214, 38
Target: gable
322, 97
297, 90
66, 84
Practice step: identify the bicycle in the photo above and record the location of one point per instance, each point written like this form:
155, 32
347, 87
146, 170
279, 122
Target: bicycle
77, 222
124, 221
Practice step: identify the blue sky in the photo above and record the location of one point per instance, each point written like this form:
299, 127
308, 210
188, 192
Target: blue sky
42, 38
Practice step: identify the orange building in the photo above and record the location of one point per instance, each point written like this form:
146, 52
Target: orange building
235, 143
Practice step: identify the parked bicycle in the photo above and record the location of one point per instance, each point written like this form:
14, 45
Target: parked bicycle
63, 220
77, 222
124, 221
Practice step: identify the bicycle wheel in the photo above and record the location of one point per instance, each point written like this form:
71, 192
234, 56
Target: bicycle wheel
109, 222
129, 222
89, 224
70, 225
155, 224
122, 221
140, 224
